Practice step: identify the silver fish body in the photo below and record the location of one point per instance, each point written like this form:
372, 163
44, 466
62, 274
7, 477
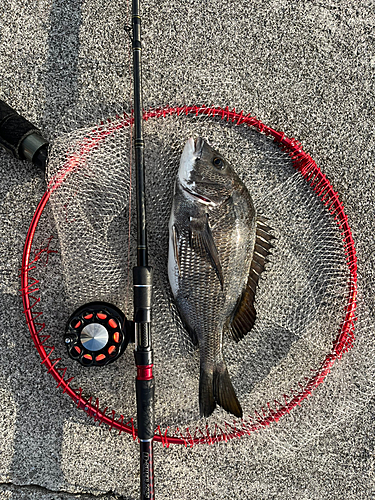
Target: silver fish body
212, 235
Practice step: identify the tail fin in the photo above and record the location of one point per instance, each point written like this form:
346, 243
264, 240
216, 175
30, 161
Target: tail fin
215, 386
206, 393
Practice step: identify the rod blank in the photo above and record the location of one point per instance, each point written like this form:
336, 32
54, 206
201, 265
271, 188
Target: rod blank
142, 281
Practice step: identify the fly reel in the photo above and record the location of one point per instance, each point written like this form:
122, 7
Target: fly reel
97, 334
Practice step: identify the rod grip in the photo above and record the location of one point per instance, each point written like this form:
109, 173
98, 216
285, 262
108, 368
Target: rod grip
20, 137
145, 408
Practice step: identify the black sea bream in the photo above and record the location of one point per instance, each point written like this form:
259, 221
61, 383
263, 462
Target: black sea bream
217, 249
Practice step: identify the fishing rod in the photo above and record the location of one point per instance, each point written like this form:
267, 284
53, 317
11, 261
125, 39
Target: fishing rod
142, 282
24, 141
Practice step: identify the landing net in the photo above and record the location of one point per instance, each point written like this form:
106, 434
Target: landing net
81, 247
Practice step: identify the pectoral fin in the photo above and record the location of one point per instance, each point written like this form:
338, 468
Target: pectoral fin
201, 240
244, 314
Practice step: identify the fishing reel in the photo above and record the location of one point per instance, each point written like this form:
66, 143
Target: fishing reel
97, 334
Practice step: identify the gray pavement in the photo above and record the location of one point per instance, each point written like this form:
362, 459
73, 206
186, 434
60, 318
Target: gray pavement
306, 68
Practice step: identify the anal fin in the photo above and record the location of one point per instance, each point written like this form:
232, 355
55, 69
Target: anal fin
244, 315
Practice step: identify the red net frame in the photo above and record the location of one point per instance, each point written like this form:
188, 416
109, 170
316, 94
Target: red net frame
302, 163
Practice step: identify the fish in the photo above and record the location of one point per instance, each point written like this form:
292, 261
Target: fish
217, 249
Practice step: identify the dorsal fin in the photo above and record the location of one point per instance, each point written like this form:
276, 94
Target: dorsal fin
244, 314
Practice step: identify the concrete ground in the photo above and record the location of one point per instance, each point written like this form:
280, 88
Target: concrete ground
306, 68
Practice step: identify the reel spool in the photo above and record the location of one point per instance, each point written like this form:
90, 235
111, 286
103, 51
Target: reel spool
97, 334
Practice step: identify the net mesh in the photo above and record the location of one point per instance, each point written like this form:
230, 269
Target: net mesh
302, 303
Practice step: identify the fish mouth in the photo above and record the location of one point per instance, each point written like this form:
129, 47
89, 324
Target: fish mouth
192, 152
194, 147
199, 197
198, 147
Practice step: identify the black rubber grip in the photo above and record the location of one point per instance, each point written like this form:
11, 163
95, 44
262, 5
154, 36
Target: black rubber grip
13, 130
145, 408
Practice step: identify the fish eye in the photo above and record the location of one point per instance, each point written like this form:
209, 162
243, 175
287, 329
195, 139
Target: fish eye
218, 163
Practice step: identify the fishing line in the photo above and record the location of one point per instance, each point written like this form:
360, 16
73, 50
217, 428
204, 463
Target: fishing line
128, 29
